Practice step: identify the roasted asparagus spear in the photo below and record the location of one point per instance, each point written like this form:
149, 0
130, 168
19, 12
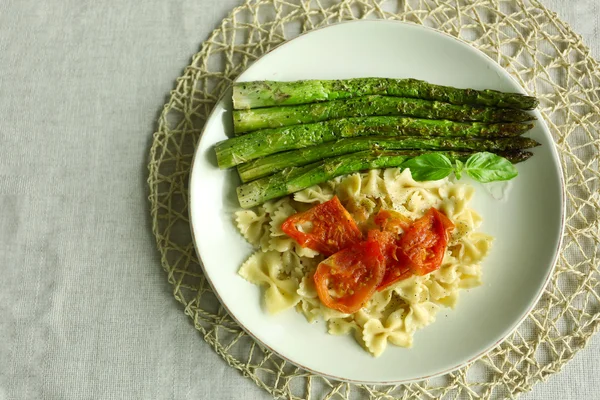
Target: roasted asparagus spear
264, 142
268, 165
271, 93
273, 117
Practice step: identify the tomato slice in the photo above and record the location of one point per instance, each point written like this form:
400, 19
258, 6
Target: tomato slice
391, 221
420, 250
395, 269
326, 228
423, 245
347, 280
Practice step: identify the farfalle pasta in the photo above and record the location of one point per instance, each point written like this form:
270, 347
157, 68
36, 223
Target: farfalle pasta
394, 314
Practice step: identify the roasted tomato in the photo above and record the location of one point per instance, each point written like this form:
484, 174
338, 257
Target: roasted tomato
420, 250
423, 244
391, 221
326, 228
395, 269
346, 280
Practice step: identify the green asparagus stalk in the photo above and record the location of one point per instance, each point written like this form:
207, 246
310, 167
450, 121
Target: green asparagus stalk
271, 93
294, 179
264, 142
268, 165
515, 156
274, 117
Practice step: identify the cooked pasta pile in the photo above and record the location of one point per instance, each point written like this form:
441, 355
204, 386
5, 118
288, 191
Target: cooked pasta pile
393, 315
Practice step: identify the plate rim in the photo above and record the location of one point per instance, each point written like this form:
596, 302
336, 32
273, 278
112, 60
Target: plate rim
534, 302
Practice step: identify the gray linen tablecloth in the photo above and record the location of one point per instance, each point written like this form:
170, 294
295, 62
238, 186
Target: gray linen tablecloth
85, 308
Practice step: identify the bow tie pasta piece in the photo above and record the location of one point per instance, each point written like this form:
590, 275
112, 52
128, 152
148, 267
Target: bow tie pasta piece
267, 268
251, 225
315, 194
373, 185
377, 333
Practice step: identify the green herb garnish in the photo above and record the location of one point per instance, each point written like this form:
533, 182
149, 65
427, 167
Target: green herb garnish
484, 167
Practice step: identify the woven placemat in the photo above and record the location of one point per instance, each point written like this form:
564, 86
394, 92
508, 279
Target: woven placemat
530, 42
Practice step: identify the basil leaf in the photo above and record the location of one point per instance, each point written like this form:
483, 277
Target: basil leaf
429, 167
489, 167
458, 168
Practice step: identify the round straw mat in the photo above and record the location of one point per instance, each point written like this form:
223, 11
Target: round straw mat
530, 42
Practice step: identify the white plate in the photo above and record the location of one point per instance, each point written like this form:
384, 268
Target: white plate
527, 226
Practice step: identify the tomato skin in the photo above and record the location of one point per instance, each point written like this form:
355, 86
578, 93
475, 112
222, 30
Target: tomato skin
446, 225
353, 274
419, 251
391, 221
395, 269
333, 228
423, 245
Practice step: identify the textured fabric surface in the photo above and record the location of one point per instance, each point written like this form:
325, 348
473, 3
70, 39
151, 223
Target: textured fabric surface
85, 307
